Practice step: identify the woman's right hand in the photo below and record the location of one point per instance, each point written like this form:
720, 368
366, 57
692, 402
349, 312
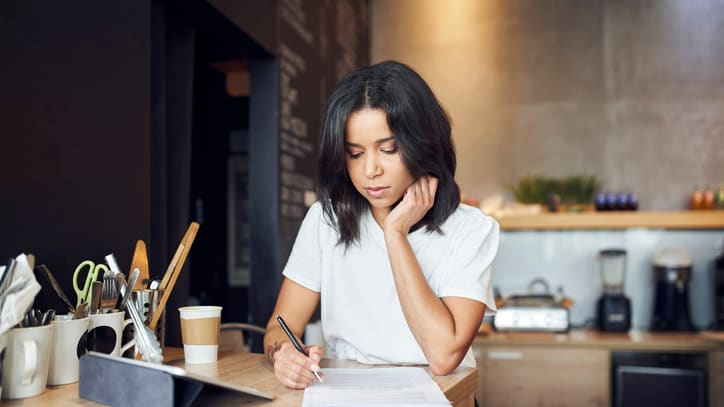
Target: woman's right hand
294, 369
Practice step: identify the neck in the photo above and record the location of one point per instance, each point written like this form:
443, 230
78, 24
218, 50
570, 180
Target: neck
380, 214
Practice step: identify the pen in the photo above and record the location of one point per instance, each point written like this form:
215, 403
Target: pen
296, 343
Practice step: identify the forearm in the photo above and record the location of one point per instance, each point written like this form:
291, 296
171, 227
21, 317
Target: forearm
273, 339
431, 322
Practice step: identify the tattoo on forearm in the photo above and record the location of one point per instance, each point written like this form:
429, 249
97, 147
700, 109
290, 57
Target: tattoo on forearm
271, 350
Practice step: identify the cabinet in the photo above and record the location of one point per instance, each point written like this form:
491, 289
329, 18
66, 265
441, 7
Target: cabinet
542, 376
717, 381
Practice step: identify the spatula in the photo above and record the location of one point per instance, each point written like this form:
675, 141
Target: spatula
173, 271
140, 261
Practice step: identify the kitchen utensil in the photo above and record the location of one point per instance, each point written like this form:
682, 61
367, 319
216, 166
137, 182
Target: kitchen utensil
140, 262
172, 273
56, 287
154, 284
148, 345
47, 317
92, 274
117, 275
96, 289
131, 283
109, 293
81, 311
147, 302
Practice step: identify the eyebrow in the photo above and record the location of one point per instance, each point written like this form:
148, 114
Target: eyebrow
378, 141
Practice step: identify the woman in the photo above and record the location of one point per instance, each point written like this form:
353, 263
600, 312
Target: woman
401, 267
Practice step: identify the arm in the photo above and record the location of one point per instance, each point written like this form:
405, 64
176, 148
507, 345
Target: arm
295, 304
444, 328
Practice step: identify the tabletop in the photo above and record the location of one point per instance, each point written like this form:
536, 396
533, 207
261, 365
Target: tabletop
251, 370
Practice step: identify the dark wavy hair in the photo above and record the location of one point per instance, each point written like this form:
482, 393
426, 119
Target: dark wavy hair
421, 129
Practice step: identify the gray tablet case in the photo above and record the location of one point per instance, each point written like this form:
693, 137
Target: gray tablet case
120, 381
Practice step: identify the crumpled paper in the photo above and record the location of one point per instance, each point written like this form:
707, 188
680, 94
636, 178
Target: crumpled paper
20, 294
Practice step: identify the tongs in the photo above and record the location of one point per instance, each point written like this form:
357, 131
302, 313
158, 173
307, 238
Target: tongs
148, 345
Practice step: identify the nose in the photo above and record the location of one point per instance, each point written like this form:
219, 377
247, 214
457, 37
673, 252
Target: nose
372, 167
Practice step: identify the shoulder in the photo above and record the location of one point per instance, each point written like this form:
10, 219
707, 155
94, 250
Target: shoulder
317, 214
467, 217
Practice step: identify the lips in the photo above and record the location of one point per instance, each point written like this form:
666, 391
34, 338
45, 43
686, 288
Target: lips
376, 192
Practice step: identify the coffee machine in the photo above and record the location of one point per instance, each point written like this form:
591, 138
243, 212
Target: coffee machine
718, 293
672, 272
613, 307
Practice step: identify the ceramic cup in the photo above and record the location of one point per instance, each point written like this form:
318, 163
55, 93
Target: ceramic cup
105, 331
68, 345
3, 344
27, 357
200, 328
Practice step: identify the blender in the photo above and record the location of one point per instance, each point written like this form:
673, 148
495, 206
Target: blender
613, 307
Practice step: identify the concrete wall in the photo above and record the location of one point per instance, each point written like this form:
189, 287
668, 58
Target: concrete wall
631, 91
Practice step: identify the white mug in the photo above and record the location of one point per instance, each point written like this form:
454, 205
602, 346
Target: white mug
27, 356
3, 344
105, 331
67, 347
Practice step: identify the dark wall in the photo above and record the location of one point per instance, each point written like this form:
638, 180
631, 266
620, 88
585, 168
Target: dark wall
74, 130
96, 135
314, 44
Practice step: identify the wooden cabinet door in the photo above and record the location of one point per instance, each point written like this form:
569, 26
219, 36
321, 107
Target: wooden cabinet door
717, 390
543, 376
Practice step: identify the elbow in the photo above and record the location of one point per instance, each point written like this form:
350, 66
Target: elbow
444, 365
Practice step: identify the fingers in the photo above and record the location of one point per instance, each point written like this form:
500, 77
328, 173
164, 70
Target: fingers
295, 370
422, 192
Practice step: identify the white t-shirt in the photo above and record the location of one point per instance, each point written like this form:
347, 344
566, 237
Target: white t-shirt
362, 318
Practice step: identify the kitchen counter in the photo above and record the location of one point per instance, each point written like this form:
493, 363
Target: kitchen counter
633, 340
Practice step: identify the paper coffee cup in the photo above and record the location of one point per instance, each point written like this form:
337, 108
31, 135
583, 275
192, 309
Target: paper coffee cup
200, 328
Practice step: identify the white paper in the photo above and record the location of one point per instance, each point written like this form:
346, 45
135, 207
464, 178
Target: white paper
380, 386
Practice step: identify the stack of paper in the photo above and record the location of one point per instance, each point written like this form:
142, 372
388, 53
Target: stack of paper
390, 386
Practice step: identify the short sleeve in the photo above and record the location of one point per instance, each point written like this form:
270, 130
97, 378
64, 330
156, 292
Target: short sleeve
469, 269
304, 265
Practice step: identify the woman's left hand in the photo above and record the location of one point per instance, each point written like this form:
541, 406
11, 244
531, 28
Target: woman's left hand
418, 199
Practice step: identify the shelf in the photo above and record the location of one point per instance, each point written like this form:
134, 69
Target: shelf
709, 219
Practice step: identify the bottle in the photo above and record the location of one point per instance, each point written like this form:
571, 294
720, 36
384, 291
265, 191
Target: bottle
709, 196
632, 201
697, 198
719, 199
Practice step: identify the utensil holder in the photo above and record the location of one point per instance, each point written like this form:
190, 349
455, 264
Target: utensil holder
147, 301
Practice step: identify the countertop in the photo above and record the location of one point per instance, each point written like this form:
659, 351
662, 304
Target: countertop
633, 340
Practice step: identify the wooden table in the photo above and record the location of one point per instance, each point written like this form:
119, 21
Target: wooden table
251, 370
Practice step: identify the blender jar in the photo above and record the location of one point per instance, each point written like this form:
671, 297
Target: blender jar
612, 263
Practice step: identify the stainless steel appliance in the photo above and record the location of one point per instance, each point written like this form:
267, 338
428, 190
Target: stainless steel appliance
672, 272
659, 379
613, 308
719, 290
533, 311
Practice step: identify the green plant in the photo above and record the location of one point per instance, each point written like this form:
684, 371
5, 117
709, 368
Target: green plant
577, 189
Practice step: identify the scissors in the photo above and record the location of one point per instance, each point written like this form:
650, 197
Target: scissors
93, 270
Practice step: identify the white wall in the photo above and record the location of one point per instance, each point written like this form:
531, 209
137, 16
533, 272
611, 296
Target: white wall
569, 259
